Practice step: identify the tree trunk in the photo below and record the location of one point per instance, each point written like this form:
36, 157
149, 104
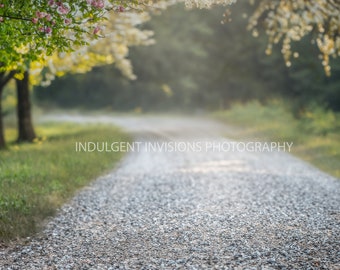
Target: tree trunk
5, 77
25, 125
2, 131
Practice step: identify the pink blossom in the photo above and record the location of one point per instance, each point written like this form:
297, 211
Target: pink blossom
96, 30
121, 9
51, 3
98, 3
101, 4
40, 14
2, 5
35, 20
63, 9
67, 21
48, 17
48, 30
1, 19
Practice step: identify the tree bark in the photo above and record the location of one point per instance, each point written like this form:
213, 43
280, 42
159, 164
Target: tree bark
25, 125
2, 130
4, 79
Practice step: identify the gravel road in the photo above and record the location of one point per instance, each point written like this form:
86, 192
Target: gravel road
192, 209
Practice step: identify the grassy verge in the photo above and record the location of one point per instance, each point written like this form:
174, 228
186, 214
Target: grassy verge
315, 133
35, 179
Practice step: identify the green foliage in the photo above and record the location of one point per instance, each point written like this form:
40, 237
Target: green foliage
207, 65
37, 178
191, 55
30, 30
308, 85
319, 121
270, 119
9, 99
315, 134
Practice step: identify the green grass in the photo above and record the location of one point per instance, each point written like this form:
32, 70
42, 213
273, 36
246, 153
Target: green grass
315, 133
36, 179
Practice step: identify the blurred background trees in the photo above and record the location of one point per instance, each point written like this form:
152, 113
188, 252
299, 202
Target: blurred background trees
198, 63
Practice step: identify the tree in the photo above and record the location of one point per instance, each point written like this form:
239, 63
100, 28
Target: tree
26, 131
287, 21
33, 30
200, 64
190, 56
5, 77
37, 27
122, 32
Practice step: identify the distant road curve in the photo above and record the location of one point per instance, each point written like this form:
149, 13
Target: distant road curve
194, 209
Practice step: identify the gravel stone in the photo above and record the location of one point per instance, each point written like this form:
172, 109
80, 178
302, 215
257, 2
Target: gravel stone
191, 210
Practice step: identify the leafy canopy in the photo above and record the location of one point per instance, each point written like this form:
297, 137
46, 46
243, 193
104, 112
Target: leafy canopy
34, 28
